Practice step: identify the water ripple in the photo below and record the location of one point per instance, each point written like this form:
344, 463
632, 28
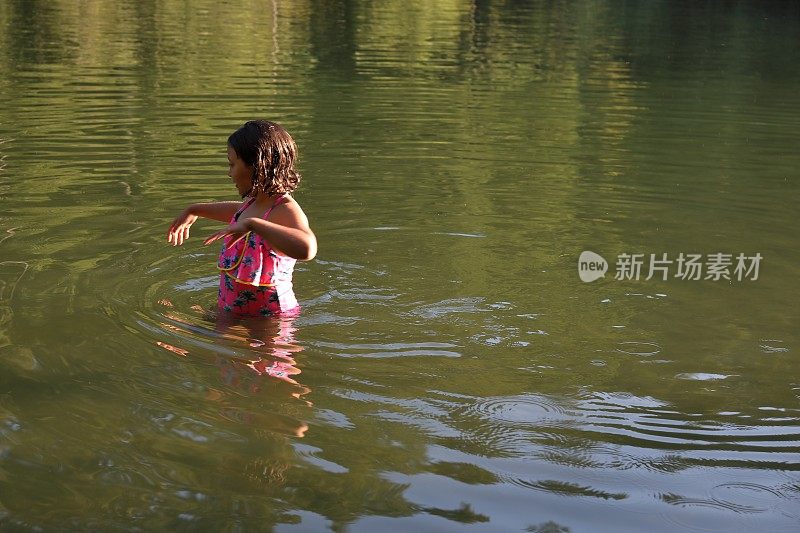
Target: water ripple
527, 409
645, 349
389, 349
568, 488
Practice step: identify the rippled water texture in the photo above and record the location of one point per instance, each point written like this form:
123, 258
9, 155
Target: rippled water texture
449, 369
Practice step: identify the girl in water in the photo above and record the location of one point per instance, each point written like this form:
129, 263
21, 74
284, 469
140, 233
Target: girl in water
266, 234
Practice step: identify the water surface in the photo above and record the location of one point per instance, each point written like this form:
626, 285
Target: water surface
449, 369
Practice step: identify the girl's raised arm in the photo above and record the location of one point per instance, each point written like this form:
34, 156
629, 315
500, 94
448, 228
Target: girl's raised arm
222, 211
179, 229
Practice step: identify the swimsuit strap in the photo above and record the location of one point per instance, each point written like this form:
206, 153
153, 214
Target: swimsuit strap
278, 201
244, 206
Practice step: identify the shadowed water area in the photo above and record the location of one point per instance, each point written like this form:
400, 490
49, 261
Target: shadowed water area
450, 370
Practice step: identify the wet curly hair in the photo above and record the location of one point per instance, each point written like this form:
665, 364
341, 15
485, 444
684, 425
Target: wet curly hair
272, 153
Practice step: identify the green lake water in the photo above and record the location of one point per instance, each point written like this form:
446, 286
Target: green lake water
450, 371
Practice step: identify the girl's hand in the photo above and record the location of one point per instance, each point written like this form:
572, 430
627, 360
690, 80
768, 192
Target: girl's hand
237, 231
179, 230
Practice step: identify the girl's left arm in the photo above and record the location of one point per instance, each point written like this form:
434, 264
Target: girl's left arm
287, 231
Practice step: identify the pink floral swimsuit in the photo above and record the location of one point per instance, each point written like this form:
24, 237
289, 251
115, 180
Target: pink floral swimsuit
255, 280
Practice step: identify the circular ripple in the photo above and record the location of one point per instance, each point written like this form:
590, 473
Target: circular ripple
528, 409
759, 498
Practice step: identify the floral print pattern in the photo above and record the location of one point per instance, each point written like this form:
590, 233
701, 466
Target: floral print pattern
254, 279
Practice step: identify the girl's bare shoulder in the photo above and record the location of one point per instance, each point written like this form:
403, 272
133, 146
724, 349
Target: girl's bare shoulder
289, 213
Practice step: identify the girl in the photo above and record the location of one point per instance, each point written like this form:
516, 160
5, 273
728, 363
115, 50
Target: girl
266, 234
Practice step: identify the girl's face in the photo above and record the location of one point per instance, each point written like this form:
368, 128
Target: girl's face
241, 173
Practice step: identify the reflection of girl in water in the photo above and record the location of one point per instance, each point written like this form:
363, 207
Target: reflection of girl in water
269, 348
272, 341
253, 392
